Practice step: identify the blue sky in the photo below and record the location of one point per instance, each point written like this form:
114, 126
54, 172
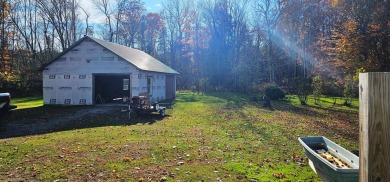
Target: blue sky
153, 5
96, 17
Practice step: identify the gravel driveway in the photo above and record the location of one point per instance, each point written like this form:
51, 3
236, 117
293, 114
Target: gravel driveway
48, 119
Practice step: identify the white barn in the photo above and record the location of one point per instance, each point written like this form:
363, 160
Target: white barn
94, 71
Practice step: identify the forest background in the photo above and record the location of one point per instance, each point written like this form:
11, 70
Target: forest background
216, 45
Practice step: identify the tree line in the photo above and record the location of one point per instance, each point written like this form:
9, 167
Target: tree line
238, 45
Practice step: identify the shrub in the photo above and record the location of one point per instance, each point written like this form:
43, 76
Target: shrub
274, 92
317, 88
350, 89
301, 88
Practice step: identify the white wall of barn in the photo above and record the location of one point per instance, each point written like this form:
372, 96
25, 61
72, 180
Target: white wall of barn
158, 85
69, 79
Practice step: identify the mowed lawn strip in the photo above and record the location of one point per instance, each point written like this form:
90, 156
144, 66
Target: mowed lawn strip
210, 137
27, 102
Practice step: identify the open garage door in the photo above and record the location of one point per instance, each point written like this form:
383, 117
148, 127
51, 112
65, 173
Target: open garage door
107, 87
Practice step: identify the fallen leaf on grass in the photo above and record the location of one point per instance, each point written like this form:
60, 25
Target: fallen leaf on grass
278, 175
294, 155
126, 159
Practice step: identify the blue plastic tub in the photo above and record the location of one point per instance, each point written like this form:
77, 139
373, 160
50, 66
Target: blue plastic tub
325, 169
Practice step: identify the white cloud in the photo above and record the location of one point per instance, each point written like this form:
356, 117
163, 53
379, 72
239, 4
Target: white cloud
95, 17
158, 5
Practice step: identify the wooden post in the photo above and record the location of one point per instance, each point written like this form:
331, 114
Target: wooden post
374, 121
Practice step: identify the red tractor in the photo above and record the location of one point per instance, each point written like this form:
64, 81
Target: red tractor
141, 105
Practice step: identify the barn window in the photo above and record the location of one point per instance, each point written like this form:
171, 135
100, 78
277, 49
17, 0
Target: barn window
83, 101
66, 76
75, 50
67, 101
53, 101
109, 58
52, 76
82, 76
62, 59
106, 50
126, 83
139, 76
162, 77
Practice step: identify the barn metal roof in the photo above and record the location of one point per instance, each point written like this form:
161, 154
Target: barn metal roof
138, 58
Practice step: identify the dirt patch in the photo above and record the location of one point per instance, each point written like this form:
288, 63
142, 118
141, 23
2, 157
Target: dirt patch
50, 119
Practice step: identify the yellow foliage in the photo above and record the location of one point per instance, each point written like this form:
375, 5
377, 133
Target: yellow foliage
335, 2
356, 76
351, 26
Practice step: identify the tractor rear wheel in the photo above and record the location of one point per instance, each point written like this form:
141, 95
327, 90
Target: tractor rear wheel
162, 112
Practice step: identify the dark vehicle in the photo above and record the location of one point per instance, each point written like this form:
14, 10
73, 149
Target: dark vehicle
5, 106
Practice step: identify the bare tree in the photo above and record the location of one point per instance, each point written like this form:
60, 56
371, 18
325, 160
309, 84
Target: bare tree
131, 16
61, 15
269, 12
87, 15
179, 16
106, 7
154, 25
228, 25
176, 12
25, 17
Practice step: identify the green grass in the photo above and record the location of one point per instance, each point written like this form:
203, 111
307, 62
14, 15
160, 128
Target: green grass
206, 137
328, 102
27, 102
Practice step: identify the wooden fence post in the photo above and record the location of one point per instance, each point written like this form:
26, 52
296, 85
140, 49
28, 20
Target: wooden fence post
374, 123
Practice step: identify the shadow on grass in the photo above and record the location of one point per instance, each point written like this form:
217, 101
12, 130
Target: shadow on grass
237, 101
310, 110
233, 100
330, 102
48, 119
334, 120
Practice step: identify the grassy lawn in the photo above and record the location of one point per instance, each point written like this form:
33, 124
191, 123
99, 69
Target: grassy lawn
27, 102
210, 137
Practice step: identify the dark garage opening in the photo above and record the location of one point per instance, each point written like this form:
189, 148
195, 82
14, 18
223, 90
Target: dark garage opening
110, 87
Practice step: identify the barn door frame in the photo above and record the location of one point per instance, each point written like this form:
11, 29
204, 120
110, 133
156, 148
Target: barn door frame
110, 74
